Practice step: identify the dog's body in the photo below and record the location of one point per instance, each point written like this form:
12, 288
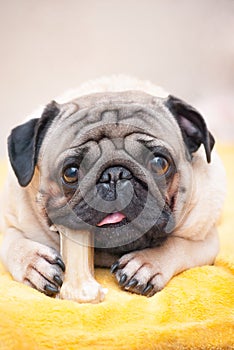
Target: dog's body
157, 195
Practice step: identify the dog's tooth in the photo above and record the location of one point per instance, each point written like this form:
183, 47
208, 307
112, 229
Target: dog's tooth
114, 267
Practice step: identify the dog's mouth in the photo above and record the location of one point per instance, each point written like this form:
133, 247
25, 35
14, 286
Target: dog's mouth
115, 219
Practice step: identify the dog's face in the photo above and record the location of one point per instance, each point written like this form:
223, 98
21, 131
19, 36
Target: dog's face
119, 164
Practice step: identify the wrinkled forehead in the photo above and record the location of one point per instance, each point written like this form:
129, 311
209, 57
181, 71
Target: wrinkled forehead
120, 117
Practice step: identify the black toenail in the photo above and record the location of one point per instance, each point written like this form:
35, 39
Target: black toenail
58, 280
132, 283
114, 267
123, 279
60, 263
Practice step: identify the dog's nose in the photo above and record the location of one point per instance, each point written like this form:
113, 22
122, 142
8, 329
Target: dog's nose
114, 174
115, 184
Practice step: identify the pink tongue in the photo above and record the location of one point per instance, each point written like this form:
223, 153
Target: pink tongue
112, 219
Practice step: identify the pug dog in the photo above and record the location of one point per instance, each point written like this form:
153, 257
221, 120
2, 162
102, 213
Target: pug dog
128, 162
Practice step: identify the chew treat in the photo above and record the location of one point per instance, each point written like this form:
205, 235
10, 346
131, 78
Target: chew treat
78, 255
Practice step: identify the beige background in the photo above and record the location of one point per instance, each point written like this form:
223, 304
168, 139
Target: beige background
49, 46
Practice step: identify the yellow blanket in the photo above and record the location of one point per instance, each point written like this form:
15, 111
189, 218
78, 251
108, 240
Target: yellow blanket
194, 311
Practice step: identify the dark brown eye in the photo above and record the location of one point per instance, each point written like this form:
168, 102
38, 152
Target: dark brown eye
70, 175
158, 165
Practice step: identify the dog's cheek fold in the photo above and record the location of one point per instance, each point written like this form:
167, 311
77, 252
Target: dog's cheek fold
172, 190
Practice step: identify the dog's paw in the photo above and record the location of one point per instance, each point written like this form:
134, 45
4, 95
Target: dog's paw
43, 269
141, 272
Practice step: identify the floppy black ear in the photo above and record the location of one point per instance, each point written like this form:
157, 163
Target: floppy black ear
192, 125
24, 143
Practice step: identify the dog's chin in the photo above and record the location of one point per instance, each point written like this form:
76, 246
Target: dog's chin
123, 237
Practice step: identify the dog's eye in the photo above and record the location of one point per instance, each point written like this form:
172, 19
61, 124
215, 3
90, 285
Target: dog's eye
158, 165
70, 175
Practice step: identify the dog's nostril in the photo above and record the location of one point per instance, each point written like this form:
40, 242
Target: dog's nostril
125, 175
113, 174
106, 177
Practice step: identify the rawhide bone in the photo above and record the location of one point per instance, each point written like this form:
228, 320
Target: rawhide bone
78, 255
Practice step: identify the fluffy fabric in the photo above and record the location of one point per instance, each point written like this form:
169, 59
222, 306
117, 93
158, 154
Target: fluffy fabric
194, 311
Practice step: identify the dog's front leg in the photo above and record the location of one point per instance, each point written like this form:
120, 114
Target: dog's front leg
148, 271
32, 263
